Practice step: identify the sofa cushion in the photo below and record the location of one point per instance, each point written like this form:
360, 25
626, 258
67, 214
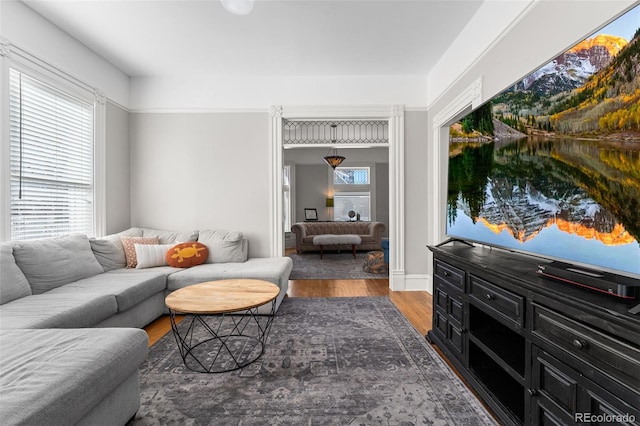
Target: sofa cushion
108, 254
151, 255
128, 286
50, 310
186, 255
128, 243
109, 250
170, 237
224, 246
273, 269
13, 283
52, 262
56, 377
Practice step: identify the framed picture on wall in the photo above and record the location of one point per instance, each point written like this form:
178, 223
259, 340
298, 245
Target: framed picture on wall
310, 214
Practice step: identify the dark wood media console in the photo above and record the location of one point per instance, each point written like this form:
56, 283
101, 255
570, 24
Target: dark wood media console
537, 351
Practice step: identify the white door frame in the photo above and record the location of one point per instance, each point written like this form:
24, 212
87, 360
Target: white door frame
395, 115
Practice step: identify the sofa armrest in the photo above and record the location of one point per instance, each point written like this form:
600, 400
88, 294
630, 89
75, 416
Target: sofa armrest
377, 229
299, 229
300, 232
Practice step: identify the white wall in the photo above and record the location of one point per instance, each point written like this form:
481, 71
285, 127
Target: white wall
314, 155
310, 191
29, 31
118, 207
547, 29
258, 93
490, 24
416, 197
196, 171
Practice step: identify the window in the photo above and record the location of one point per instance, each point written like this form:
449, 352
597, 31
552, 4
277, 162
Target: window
51, 160
357, 202
288, 197
353, 189
351, 176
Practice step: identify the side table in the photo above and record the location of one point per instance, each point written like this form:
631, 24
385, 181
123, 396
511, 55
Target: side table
222, 330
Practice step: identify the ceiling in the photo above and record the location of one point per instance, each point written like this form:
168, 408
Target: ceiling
180, 38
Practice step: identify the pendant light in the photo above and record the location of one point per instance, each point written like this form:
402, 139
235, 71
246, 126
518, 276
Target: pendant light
333, 159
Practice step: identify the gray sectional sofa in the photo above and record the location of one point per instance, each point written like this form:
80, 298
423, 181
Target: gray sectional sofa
71, 313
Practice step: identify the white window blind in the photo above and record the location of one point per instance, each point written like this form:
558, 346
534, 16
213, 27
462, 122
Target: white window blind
51, 156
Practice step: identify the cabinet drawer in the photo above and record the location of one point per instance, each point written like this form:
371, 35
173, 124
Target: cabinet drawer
450, 274
614, 357
508, 305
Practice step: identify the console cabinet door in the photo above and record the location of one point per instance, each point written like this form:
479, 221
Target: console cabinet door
448, 315
562, 396
554, 391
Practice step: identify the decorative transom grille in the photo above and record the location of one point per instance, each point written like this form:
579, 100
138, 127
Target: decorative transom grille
299, 132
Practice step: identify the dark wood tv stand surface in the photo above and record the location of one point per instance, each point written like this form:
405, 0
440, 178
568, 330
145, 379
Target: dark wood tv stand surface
537, 351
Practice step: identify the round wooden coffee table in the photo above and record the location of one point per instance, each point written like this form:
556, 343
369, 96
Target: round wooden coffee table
222, 330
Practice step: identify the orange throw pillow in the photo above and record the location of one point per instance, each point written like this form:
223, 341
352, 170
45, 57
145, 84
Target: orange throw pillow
187, 254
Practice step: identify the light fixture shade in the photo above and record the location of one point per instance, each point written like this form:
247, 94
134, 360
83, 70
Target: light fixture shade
329, 202
334, 160
238, 7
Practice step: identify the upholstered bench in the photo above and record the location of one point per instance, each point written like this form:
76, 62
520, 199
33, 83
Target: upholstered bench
333, 239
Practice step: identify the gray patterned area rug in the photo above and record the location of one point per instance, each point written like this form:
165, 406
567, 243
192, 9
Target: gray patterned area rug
333, 266
337, 361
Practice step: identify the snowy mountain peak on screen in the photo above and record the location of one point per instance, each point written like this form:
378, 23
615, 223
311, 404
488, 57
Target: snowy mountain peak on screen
572, 68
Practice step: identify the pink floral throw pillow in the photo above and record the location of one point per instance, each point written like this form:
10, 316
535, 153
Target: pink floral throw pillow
130, 250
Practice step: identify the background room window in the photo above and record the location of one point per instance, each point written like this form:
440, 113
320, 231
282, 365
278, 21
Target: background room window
51, 160
288, 197
358, 202
352, 176
353, 189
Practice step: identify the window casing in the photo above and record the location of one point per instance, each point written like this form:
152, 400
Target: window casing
52, 147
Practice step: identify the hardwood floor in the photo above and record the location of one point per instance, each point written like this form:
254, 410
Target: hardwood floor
414, 305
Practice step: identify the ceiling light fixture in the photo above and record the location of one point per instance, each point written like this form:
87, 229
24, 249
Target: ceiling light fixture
238, 7
334, 160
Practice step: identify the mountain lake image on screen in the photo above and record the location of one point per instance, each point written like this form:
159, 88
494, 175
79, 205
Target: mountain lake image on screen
551, 166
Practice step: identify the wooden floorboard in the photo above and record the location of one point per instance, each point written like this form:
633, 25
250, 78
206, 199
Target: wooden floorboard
414, 305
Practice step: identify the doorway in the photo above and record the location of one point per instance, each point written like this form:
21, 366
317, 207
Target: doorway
393, 117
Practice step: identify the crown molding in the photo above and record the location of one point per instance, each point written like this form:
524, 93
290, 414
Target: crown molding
265, 110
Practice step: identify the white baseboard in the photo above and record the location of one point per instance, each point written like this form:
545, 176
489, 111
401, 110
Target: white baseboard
418, 282
414, 282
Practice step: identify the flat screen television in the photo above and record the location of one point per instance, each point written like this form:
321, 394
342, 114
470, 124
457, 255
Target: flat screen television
551, 166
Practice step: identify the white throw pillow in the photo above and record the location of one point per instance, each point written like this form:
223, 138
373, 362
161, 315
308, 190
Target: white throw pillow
151, 255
